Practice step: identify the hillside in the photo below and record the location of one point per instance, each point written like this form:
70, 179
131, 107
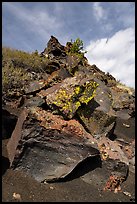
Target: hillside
59, 113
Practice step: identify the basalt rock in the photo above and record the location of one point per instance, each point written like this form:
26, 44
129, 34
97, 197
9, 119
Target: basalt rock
123, 103
111, 150
68, 96
98, 116
68, 116
72, 63
54, 49
35, 86
48, 147
117, 176
52, 66
34, 101
107, 78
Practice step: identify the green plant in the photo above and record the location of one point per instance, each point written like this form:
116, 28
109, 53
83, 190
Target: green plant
27, 61
16, 66
77, 48
13, 78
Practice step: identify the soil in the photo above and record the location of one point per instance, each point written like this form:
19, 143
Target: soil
85, 184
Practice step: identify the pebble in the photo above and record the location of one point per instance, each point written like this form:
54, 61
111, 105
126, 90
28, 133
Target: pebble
127, 193
17, 196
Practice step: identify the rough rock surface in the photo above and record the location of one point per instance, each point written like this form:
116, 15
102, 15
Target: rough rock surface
123, 102
98, 116
47, 146
54, 49
68, 116
70, 94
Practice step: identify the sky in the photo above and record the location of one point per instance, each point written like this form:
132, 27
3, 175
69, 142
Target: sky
107, 30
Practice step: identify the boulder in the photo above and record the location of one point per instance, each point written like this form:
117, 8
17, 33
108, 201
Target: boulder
54, 49
107, 78
117, 176
48, 147
34, 101
98, 116
123, 102
52, 66
66, 97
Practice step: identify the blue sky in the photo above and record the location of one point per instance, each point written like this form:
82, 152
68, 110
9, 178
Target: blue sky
106, 28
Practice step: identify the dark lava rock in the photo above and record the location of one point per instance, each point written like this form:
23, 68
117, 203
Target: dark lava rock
48, 147
69, 115
8, 123
68, 95
56, 77
117, 176
98, 116
54, 48
52, 66
72, 63
34, 101
109, 177
35, 86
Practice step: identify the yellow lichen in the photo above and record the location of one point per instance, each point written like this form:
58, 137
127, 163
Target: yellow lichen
77, 104
85, 98
69, 102
77, 90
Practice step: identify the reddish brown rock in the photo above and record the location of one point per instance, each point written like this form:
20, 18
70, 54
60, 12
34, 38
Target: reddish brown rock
112, 150
16, 137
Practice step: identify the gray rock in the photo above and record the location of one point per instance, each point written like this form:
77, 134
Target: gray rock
47, 147
98, 116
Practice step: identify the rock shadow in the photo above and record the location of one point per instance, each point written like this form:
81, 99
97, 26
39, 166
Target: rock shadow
5, 164
85, 166
8, 124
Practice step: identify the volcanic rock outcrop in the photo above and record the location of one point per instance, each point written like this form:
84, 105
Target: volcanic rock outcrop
67, 116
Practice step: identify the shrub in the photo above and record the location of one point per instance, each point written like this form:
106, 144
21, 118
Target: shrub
77, 48
13, 78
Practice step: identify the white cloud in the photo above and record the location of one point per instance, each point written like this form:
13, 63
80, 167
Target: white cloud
98, 11
115, 55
